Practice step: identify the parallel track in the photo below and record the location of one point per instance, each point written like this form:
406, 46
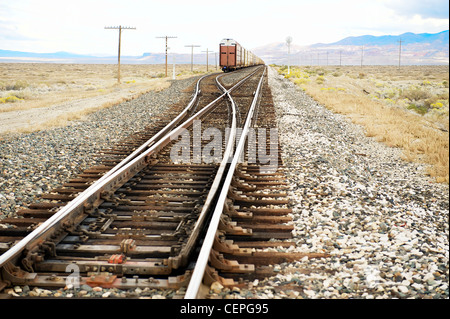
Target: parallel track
138, 219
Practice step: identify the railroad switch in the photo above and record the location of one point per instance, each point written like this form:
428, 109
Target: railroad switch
127, 244
117, 259
104, 280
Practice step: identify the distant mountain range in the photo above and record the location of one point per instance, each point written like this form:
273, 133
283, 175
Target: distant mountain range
9, 56
55, 55
437, 40
416, 49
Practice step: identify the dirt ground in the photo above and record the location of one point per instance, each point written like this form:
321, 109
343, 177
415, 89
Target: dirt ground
36, 96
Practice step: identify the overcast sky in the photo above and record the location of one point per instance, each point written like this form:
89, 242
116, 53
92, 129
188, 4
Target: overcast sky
77, 26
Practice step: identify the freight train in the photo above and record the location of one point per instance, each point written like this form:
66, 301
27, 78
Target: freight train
233, 56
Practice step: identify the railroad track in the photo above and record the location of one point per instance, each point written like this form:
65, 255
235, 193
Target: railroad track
173, 207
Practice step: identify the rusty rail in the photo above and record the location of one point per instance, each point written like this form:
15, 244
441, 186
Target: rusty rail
73, 212
205, 252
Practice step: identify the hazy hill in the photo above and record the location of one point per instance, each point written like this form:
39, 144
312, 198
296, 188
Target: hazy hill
424, 48
437, 40
416, 49
67, 57
55, 55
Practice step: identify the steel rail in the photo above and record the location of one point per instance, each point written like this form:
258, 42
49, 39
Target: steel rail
190, 245
202, 260
158, 135
11, 253
93, 194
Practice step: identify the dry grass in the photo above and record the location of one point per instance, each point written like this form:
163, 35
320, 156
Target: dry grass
44, 84
64, 119
357, 93
79, 89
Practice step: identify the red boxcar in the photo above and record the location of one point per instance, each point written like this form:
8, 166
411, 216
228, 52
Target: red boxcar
228, 57
233, 56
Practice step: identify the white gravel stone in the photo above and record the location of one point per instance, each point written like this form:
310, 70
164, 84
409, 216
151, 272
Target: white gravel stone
382, 220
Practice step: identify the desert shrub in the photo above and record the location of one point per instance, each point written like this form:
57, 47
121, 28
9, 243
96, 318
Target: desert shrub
310, 71
437, 105
10, 99
301, 81
320, 79
18, 85
390, 93
22, 95
415, 94
418, 108
443, 96
320, 72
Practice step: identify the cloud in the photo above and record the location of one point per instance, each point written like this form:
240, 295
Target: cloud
10, 32
435, 9
78, 26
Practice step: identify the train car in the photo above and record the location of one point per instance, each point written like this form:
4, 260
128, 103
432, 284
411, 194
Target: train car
233, 56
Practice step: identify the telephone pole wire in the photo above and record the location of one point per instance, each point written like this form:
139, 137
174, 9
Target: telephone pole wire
192, 46
120, 28
166, 37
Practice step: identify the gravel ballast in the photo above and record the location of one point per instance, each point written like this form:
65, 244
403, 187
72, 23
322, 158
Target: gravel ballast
383, 222
35, 163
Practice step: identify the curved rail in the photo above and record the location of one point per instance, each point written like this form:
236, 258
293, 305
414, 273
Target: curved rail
197, 275
75, 203
219, 175
73, 212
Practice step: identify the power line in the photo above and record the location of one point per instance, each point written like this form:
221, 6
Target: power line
120, 28
166, 37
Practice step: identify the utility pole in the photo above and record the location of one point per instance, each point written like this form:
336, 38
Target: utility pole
166, 37
207, 53
340, 58
399, 53
120, 28
362, 55
192, 46
288, 42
